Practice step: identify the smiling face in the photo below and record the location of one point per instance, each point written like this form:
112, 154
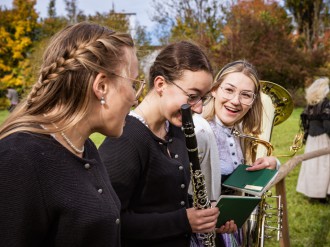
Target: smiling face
193, 83
231, 111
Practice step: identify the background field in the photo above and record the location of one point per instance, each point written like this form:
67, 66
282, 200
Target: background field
309, 222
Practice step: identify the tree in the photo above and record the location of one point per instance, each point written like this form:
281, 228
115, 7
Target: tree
18, 32
52, 23
112, 20
313, 33
141, 36
73, 13
198, 20
312, 18
260, 33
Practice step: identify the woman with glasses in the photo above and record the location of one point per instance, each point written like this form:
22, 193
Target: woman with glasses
149, 164
54, 189
236, 102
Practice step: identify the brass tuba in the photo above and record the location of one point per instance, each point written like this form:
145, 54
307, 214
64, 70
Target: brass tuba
277, 107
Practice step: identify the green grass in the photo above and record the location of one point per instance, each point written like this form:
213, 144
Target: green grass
308, 222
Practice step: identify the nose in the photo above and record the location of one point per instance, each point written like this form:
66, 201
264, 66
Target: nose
197, 108
235, 99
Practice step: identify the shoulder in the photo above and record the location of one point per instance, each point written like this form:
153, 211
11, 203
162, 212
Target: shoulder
24, 141
25, 152
204, 133
200, 123
202, 126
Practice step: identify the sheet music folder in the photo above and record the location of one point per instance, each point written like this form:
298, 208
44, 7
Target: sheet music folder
237, 208
251, 182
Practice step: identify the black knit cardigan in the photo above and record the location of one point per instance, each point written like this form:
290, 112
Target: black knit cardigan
315, 119
51, 197
151, 177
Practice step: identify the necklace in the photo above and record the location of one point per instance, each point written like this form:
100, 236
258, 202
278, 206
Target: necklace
69, 142
143, 120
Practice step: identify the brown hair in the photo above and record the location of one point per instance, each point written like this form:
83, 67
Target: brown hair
177, 57
74, 57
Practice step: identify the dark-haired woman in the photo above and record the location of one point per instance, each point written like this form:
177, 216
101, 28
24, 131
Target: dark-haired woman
149, 164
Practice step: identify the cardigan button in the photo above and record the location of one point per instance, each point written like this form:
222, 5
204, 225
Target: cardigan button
180, 168
87, 166
176, 156
117, 221
170, 140
182, 203
183, 186
100, 191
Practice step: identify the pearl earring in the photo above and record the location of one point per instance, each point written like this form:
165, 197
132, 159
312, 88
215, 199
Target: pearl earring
102, 100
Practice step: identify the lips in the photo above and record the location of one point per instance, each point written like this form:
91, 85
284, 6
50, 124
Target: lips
230, 109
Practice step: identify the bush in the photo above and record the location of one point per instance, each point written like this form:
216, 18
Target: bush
4, 103
298, 97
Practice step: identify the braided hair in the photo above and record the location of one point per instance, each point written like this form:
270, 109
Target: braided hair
70, 64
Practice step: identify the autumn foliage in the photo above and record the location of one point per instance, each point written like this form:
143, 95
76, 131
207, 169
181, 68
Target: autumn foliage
283, 42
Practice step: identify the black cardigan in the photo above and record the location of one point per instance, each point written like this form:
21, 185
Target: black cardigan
151, 184
51, 197
315, 119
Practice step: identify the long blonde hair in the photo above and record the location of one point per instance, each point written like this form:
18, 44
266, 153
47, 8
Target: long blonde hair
70, 65
252, 121
316, 92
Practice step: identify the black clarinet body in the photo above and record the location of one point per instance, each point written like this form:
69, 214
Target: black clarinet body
200, 198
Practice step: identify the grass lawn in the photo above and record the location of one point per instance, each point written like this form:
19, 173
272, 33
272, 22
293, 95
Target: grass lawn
309, 222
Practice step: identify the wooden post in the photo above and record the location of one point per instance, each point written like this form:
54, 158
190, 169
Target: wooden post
280, 190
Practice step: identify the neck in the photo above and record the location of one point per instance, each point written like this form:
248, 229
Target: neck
154, 120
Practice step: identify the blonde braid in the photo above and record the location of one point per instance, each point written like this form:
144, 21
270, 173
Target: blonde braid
53, 72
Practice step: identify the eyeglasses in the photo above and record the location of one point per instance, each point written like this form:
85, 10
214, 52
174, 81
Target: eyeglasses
137, 85
193, 99
245, 97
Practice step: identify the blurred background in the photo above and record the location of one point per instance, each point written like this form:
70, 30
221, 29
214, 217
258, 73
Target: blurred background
288, 41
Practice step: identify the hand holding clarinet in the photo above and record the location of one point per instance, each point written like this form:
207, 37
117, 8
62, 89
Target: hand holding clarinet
201, 221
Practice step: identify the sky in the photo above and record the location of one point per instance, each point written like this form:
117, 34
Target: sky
142, 8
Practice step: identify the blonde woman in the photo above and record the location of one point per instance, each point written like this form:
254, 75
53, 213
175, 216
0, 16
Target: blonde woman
236, 102
54, 189
314, 175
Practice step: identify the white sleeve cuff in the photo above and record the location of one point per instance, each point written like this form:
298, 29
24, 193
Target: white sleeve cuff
278, 163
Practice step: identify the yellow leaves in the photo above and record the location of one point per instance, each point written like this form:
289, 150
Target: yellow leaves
18, 29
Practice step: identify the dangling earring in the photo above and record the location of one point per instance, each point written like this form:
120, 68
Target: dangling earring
102, 100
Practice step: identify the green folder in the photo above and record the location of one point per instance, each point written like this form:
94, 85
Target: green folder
251, 182
237, 208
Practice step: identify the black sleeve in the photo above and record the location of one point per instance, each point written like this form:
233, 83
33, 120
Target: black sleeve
304, 124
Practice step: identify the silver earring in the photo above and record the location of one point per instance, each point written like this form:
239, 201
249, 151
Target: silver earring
102, 100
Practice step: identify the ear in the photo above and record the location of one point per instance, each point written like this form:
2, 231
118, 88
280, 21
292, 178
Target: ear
214, 92
160, 84
100, 87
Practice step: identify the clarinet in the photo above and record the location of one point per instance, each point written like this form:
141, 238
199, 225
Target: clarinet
200, 198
